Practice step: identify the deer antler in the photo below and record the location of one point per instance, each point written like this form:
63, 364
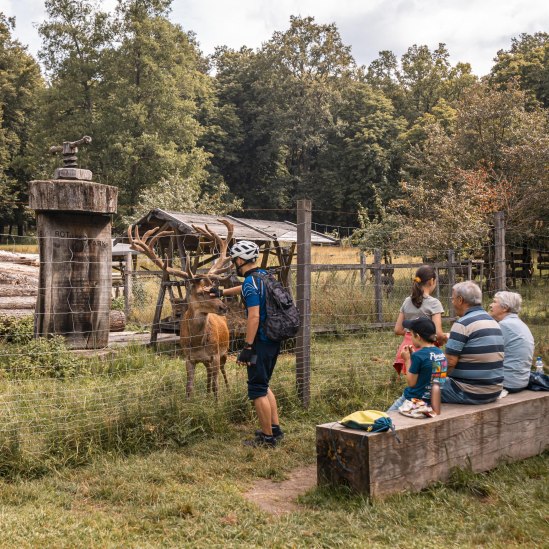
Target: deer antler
146, 245
222, 264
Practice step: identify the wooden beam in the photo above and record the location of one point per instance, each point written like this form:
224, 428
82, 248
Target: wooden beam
475, 436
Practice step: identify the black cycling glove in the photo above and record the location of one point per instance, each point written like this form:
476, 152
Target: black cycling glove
245, 355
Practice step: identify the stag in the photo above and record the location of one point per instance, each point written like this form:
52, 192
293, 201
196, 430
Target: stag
204, 334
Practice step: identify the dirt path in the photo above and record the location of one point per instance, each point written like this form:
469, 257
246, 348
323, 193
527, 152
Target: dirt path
280, 497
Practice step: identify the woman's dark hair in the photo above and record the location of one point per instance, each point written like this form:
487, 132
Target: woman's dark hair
423, 275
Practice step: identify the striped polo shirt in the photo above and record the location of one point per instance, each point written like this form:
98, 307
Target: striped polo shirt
477, 340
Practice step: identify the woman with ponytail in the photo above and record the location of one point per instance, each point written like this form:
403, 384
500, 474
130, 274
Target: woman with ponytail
420, 304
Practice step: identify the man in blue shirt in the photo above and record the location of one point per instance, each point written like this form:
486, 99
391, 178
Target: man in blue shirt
259, 353
474, 351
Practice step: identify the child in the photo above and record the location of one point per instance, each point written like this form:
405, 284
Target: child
419, 304
423, 367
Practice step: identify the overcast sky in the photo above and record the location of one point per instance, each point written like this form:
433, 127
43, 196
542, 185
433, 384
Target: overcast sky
473, 30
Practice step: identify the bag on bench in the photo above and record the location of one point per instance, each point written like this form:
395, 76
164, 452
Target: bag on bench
372, 421
538, 382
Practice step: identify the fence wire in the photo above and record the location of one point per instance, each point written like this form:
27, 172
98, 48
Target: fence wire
50, 393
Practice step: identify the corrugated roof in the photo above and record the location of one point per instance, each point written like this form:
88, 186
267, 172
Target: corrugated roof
258, 230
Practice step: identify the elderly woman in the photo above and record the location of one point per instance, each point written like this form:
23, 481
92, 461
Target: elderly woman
517, 338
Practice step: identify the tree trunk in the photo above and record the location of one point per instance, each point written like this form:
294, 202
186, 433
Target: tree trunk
75, 278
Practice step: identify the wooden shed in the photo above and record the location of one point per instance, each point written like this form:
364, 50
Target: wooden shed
276, 240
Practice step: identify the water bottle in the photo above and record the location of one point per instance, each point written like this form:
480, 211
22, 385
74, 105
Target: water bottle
539, 365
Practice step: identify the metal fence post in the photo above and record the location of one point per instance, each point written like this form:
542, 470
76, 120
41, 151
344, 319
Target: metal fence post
499, 251
303, 292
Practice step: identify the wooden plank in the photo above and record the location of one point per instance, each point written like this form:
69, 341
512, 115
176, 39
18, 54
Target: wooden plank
320, 267
483, 436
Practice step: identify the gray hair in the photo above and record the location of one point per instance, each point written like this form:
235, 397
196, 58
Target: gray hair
510, 301
469, 291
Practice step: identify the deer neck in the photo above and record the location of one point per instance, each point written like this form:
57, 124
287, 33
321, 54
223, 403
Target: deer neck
196, 318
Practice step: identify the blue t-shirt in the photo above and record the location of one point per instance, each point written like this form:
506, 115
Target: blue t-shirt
253, 294
429, 363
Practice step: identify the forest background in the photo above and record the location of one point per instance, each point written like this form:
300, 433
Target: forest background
405, 144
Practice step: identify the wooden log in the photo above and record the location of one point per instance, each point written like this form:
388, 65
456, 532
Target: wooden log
18, 302
481, 437
17, 313
18, 290
117, 321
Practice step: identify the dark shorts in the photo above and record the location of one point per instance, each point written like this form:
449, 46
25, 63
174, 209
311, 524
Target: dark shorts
260, 374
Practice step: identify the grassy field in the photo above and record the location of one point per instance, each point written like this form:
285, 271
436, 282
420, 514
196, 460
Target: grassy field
116, 456
108, 453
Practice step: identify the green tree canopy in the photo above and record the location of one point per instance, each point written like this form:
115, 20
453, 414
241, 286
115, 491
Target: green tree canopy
528, 62
20, 82
139, 85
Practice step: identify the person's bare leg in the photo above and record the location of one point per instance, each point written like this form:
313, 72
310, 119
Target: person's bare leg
274, 408
263, 409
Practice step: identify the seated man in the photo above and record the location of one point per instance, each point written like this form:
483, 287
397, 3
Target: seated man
474, 351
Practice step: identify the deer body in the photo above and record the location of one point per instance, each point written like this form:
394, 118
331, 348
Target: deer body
205, 338
204, 334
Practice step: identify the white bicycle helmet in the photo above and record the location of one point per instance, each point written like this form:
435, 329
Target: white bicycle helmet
249, 251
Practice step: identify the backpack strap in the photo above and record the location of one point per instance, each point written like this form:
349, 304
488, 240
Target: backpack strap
387, 423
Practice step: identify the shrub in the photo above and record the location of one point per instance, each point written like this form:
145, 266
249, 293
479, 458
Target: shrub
41, 357
19, 330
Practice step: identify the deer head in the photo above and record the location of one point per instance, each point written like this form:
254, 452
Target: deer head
200, 300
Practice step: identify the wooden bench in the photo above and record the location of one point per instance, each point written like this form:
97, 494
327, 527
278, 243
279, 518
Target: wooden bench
480, 437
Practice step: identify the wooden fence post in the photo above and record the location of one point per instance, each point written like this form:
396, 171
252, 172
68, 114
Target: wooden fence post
451, 279
378, 289
303, 291
128, 284
362, 268
499, 248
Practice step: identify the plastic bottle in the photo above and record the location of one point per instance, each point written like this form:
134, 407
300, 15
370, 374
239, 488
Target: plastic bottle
539, 365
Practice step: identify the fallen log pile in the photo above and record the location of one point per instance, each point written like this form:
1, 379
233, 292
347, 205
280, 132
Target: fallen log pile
18, 283
19, 287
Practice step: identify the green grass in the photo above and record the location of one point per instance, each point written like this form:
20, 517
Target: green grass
193, 497
117, 457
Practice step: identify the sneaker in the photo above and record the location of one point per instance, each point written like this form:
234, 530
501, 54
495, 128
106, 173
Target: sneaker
503, 393
261, 440
278, 436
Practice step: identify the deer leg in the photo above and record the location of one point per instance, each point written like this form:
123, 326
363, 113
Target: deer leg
222, 368
214, 365
208, 365
190, 365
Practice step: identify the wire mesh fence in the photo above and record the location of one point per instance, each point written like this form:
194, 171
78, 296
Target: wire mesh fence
55, 398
